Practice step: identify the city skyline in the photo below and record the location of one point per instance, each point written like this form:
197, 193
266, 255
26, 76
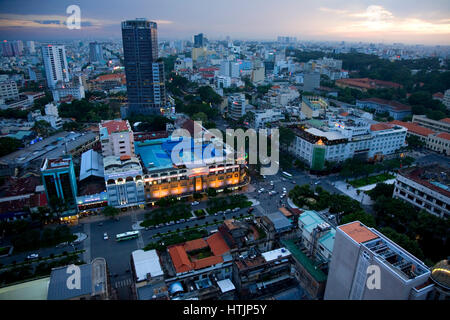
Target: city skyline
354, 21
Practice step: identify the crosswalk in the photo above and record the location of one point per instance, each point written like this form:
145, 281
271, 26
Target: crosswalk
123, 283
139, 240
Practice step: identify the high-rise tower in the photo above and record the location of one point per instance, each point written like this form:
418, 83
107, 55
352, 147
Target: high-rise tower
144, 72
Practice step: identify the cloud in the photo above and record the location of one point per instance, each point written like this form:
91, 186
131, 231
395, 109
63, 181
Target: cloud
47, 21
378, 19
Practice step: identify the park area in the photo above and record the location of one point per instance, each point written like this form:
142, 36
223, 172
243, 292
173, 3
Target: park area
371, 180
223, 203
164, 215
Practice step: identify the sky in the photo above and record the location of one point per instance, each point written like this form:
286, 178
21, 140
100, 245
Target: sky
405, 21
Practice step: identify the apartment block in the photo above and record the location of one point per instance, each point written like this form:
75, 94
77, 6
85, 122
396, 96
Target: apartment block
357, 251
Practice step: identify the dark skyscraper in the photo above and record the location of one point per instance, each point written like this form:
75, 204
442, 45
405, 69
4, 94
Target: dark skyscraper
95, 52
199, 41
144, 72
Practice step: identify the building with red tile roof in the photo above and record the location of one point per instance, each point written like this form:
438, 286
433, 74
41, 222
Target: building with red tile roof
414, 129
183, 261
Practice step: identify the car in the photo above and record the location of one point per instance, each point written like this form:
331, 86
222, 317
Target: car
100, 224
105, 236
182, 220
250, 209
228, 210
195, 203
271, 183
282, 196
33, 256
331, 217
236, 209
293, 182
317, 182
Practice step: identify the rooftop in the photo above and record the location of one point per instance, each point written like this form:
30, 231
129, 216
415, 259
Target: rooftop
183, 262
434, 177
276, 254
29, 290
146, 262
414, 128
358, 232
91, 165
113, 126
310, 220
279, 221
306, 262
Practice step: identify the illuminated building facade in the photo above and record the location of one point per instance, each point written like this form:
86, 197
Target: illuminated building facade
124, 181
195, 171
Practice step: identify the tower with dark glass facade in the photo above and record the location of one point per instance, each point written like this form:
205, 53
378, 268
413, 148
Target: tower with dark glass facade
143, 70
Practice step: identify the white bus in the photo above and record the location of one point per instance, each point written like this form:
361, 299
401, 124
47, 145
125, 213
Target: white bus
127, 235
287, 175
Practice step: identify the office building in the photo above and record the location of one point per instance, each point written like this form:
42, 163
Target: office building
116, 138
7, 49
96, 52
199, 41
58, 176
31, 47
311, 81
144, 72
55, 63
426, 188
357, 251
8, 90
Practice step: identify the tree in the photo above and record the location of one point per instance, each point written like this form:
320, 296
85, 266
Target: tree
287, 136
8, 145
381, 189
211, 192
42, 128
414, 142
200, 116
110, 211
361, 216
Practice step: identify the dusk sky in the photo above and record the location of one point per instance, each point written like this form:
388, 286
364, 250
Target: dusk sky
406, 21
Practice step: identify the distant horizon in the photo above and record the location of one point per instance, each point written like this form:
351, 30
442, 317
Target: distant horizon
160, 39
422, 23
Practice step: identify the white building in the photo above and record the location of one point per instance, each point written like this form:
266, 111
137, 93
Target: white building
124, 182
75, 91
236, 107
116, 138
426, 188
222, 82
262, 117
55, 63
347, 139
401, 276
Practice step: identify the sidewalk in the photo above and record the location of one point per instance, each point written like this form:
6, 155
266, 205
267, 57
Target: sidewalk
363, 198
